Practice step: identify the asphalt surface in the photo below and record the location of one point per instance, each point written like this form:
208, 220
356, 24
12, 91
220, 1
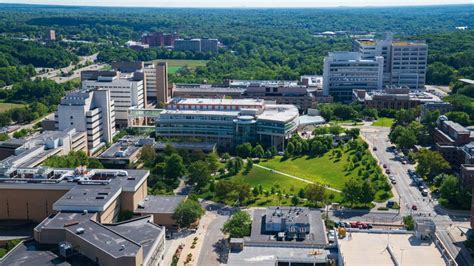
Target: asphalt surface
215, 249
409, 195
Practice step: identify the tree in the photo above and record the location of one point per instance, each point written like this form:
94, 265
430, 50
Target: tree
258, 151
367, 193
315, 193
174, 166
199, 173
290, 149
187, 213
353, 132
352, 191
213, 160
249, 166
295, 200
459, 117
148, 155
430, 163
244, 150
238, 225
449, 188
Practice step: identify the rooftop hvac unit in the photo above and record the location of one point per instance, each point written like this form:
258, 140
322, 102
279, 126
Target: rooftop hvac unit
65, 249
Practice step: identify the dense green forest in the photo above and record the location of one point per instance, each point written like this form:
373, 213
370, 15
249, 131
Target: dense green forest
259, 43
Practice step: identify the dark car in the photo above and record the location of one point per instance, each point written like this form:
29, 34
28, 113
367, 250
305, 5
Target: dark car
387, 171
374, 148
413, 207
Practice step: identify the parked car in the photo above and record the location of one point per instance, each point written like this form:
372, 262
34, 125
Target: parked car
391, 177
281, 153
374, 148
421, 187
353, 224
384, 166
393, 182
413, 207
331, 236
387, 171
424, 192
370, 226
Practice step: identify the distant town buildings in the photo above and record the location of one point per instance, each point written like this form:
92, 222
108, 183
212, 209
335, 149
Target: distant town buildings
159, 39
303, 94
137, 46
157, 89
375, 63
126, 90
91, 112
51, 35
394, 97
197, 45
405, 62
347, 71
228, 122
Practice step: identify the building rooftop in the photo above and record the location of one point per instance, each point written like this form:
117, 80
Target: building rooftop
31, 253
210, 101
124, 148
159, 204
279, 112
360, 248
115, 239
316, 236
269, 256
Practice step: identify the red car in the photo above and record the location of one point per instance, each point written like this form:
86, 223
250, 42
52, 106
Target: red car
353, 224
413, 207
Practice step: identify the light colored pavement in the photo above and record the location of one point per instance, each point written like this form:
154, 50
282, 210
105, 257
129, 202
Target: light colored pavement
295, 177
410, 195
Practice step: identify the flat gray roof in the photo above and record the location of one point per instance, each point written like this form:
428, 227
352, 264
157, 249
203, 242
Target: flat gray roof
269, 256
140, 230
94, 233
30, 253
160, 204
316, 236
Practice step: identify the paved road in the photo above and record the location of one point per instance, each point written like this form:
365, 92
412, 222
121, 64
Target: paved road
215, 250
409, 194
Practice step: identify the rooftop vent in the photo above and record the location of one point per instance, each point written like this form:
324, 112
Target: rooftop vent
80, 230
100, 197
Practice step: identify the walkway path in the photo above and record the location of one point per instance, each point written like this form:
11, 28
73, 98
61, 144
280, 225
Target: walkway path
295, 177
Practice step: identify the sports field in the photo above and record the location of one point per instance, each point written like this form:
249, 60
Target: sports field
175, 64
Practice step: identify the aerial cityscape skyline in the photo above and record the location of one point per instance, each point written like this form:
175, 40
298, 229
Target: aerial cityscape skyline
236, 136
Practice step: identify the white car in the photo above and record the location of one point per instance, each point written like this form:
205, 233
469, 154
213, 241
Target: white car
332, 236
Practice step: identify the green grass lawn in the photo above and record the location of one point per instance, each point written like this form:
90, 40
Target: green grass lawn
324, 170
259, 176
383, 122
175, 64
287, 185
8, 106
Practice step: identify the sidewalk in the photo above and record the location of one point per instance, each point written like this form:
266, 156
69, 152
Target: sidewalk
188, 241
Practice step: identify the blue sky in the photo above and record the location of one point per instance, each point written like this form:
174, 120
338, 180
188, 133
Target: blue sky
243, 3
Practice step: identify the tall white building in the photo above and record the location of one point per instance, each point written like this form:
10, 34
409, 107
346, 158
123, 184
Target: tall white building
346, 71
92, 112
126, 90
405, 62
